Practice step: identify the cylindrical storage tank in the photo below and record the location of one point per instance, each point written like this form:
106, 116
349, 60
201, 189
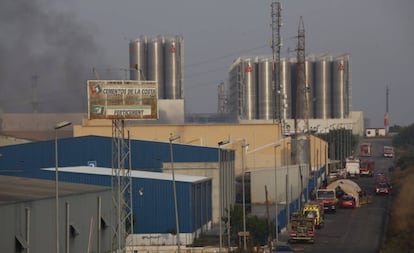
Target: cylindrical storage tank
173, 75
286, 89
323, 101
155, 64
309, 74
234, 92
265, 89
340, 87
348, 96
137, 59
249, 89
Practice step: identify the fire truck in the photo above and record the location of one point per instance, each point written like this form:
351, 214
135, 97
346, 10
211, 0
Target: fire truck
328, 198
366, 168
302, 228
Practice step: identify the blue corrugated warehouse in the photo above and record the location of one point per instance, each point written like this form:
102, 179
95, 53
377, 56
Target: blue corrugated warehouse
80, 151
153, 209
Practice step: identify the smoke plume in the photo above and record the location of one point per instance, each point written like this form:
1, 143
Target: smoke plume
46, 56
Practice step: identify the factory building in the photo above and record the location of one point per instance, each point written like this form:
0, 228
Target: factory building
149, 159
28, 216
153, 201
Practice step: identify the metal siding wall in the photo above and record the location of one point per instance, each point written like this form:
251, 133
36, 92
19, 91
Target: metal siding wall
185, 209
191, 206
153, 212
78, 151
208, 200
83, 208
201, 205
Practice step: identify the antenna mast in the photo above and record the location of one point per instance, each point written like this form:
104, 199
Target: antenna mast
276, 45
302, 86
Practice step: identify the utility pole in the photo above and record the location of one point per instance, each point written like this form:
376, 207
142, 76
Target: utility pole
386, 116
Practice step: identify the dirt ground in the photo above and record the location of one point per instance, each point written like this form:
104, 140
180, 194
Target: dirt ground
400, 235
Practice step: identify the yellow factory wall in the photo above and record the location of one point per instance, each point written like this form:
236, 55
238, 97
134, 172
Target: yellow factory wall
260, 137
318, 152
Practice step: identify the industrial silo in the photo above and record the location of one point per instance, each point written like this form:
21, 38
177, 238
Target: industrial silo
137, 59
234, 84
249, 89
173, 69
266, 93
340, 87
323, 99
155, 64
286, 89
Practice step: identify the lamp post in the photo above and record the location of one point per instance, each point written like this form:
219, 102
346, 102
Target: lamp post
244, 147
56, 127
276, 201
287, 184
171, 139
221, 143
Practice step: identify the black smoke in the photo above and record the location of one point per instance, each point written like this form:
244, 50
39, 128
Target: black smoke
46, 57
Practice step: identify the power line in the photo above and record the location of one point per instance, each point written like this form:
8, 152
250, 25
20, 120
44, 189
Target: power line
224, 56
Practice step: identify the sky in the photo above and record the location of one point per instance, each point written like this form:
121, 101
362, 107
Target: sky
49, 48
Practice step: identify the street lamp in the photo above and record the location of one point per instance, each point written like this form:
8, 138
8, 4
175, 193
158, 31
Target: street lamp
287, 184
244, 147
221, 143
276, 192
56, 127
171, 139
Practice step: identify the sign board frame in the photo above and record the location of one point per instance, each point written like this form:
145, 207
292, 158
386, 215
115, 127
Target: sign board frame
122, 99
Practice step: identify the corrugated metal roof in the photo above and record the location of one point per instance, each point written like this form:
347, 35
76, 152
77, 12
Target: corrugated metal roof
16, 189
134, 173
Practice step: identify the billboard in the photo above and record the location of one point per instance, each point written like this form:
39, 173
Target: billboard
122, 99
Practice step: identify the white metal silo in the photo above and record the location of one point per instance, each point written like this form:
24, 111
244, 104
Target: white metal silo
137, 59
266, 93
173, 67
323, 98
309, 75
249, 88
340, 87
286, 89
155, 63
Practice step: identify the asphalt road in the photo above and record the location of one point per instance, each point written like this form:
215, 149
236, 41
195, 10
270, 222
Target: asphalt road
360, 229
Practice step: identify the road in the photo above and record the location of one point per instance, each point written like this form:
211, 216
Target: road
360, 229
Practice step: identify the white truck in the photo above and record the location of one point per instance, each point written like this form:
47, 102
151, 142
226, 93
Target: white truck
352, 167
389, 151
